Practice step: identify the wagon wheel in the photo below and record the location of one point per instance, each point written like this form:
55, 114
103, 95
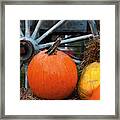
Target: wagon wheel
29, 45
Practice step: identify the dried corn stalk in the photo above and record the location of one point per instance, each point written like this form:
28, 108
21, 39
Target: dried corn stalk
91, 53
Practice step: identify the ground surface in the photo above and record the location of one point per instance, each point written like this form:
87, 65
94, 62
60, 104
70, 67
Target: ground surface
26, 94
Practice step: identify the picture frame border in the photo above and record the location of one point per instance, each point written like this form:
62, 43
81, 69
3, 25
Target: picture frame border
57, 2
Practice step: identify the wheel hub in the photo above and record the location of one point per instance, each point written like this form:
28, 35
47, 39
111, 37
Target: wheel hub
26, 50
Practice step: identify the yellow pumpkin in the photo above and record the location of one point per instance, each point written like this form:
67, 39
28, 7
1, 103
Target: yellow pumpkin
89, 80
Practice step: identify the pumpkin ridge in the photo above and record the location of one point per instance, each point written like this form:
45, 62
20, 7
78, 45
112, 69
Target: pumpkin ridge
36, 69
69, 71
42, 71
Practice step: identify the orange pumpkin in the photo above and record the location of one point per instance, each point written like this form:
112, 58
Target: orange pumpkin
96, 94
52, 76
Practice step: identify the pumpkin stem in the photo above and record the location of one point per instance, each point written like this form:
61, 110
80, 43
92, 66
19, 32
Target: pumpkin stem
54, 47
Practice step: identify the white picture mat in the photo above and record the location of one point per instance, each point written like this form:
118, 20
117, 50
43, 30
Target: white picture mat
13, 15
